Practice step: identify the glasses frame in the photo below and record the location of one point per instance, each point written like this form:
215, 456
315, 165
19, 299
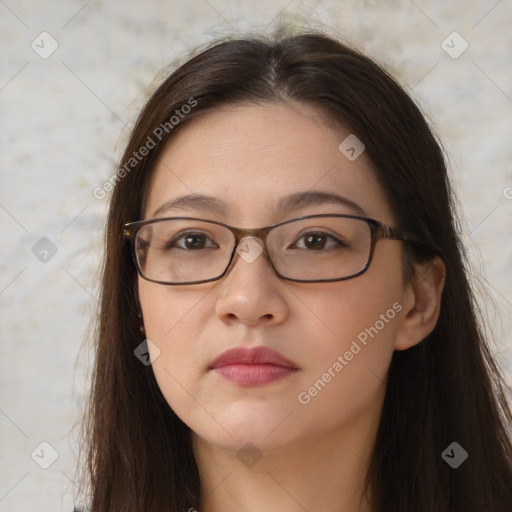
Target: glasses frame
378, 231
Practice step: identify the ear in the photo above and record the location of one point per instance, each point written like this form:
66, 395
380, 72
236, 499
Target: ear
422, 303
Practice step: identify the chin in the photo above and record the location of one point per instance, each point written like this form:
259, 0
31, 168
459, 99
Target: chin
263, 432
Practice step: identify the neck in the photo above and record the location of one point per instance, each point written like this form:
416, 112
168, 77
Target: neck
325, 472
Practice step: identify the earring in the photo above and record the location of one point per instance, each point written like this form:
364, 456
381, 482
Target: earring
141, 326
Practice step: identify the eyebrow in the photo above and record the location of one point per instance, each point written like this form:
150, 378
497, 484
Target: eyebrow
201, 202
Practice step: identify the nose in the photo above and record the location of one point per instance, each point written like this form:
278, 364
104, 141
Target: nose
251, 292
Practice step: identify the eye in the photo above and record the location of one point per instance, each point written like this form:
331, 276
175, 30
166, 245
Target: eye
190, 241
317, 240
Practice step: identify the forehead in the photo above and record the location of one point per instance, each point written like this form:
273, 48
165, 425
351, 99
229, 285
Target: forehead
249, 157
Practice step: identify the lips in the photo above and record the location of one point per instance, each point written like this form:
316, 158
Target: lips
252, 366
252, 355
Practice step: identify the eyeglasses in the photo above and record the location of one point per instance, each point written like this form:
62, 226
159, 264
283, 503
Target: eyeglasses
309, 249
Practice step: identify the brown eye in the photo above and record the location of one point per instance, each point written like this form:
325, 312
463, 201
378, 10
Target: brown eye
190, 241
317, 241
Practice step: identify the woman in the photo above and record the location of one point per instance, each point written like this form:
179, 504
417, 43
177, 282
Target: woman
330, 359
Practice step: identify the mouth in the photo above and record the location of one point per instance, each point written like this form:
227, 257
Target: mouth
253, 366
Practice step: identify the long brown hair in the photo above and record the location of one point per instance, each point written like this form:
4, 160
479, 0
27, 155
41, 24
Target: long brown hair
445, 389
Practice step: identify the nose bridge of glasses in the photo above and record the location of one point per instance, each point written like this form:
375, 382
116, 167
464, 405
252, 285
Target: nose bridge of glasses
250, 244
243, 235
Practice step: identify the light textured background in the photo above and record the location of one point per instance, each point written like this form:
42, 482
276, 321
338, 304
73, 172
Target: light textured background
63, 123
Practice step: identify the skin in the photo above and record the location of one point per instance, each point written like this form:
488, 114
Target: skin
313, 456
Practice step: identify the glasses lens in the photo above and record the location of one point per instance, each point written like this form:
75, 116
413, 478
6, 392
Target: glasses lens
320, 248
178, 251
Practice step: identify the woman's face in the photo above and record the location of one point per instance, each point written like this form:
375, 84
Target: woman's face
340, 336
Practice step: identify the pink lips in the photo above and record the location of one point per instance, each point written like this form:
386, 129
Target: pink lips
254, 366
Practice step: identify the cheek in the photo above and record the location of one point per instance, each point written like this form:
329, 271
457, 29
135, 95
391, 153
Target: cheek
346, 380
170, 312
358, 334
359, 320
173, 321
364, 308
